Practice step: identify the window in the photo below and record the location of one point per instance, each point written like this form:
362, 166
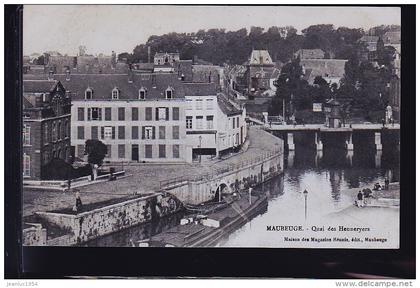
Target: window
108, 114
121, 132
237, 122
209, 104
233, 122
162, 132
175, 113
189, 120
88, 93
54, 132
26, 165
108, 151
209, 120
94, 113
46, 134
80, 132
162, 113
109, 133
94, 132
134, 132
199, 104
66, 128
46, 158
148, 113
162, 151
148, 151
169, 93
26, 134
189, 104
81, 114
175, 132
121, 151
115, 94
149, 132
80, 151
121, 114
175, 151
135, 114
59, 130
142, 93
199, 124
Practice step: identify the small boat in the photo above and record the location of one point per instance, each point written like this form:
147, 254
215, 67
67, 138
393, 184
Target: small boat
207, 230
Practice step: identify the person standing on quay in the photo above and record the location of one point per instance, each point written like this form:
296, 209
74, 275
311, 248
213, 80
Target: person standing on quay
360, 199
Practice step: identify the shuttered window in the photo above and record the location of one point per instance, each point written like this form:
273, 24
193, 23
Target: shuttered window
162, 132
175, 132
134, 132
148, 151
135, 114
81, 114
108, 114
94, 132
121, 132
149, 113
175, 113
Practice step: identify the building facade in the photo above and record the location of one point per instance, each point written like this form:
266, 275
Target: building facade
140, 117
213, 124
46, 126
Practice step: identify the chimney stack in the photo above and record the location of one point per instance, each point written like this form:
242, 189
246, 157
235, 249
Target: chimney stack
148, 54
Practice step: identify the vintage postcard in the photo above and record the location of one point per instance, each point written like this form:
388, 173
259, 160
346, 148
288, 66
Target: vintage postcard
211, 126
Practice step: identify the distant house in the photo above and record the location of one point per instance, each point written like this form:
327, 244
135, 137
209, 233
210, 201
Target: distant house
261, 73
46, 125
310, 54
393, 38
332, 70
165, 58
370, 41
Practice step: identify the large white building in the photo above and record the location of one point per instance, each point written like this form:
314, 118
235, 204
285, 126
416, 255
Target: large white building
213, 124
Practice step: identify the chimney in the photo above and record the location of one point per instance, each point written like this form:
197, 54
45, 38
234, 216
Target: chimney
148, 54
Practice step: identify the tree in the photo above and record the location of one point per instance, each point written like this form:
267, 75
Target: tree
96, 151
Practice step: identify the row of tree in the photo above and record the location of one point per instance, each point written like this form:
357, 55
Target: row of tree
219, 46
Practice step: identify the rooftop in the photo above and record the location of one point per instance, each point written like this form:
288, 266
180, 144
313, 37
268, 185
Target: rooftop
260, 57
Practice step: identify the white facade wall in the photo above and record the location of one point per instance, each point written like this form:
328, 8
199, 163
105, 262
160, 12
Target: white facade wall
128, 122
224, 134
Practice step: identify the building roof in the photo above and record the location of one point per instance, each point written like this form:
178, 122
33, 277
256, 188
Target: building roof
260, 57
227, 108
201, 73
184, 67
200, 89
39, 86
103, 84
392, 37
326, 68
367, 38
310, 54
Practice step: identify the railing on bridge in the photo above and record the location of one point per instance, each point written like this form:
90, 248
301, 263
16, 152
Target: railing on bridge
217, 171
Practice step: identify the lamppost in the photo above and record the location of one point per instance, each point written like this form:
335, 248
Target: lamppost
305, 194
199, 146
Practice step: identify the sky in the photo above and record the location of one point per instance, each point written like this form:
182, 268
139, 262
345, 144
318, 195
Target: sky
119, 28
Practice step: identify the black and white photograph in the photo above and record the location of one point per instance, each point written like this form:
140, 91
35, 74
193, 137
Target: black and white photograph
211, 126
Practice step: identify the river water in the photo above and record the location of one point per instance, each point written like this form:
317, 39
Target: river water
326, 176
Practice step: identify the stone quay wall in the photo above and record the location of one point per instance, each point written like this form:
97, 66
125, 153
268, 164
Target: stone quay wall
102, 221
196, 190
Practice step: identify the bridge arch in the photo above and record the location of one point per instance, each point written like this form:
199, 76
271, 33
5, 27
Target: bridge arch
222, 188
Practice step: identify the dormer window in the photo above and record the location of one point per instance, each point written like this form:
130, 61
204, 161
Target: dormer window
169, 93
88, 94
115, 94
142, 93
